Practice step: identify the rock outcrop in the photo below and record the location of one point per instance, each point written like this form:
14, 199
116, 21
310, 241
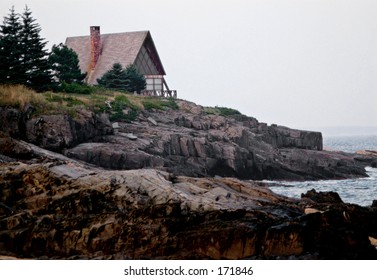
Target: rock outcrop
57, 132
53, 132
172, 190
59, 208
187, 142
192, 143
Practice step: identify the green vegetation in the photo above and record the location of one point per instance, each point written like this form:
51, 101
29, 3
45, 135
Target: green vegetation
120, 106
27, 68
64, 100
123, 109
75, 88
128, 79
222, 111
159, 103
24, 59
18, 96
65, 66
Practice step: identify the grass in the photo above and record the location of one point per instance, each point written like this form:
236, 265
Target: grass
18, 96
159, 104
123, 109
64, 99
123, 106
222, 111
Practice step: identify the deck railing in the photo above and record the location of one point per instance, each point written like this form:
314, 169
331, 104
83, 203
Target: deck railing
161, 93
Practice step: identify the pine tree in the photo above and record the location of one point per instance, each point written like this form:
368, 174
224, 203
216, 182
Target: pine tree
11, 55
129, 79
65, 65
35, 57
137, 80
115, 78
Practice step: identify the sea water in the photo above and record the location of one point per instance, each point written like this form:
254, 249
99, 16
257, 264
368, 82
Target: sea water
360, 191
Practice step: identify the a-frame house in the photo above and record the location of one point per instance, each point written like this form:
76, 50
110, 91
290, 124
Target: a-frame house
98, 52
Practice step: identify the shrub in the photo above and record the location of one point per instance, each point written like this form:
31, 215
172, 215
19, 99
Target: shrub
159, 104
120, 103
152, 104
75, 88
222, 111
121, 116
171, 103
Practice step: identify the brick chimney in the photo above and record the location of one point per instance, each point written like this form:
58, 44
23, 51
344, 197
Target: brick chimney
95, 45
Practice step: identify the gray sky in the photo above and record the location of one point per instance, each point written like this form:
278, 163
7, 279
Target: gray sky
299, 63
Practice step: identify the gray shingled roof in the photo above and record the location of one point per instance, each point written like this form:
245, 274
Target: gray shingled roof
120, 48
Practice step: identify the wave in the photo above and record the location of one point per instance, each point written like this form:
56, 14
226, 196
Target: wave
360, 191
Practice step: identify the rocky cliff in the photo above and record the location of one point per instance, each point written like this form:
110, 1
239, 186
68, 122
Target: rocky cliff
187, 142
169, 185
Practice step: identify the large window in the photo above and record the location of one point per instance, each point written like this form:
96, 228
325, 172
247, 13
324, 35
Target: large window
144, 63
154, 82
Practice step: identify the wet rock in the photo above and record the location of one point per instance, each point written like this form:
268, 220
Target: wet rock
63, 209
322, 197
367, 157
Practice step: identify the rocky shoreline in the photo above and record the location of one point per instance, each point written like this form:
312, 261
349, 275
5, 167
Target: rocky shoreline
187, 142
63, 209
179, 188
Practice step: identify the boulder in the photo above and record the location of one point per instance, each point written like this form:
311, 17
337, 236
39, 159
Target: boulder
57, 132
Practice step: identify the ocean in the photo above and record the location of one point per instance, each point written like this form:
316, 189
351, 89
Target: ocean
357, 191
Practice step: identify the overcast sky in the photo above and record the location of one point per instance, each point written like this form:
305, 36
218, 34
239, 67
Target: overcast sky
298, 63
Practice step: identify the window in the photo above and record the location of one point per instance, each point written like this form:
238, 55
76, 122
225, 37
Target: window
145, 64
154, 83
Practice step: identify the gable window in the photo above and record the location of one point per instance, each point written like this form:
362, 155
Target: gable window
144, 63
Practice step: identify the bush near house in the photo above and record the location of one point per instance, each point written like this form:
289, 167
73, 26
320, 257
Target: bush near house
128, 79
65, 66
75, 88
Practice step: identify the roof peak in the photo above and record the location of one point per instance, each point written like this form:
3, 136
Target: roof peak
114, 33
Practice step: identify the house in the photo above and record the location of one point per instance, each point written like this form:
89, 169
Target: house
98, 52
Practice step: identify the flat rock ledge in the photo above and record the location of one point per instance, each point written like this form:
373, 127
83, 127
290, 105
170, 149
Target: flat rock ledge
62, 209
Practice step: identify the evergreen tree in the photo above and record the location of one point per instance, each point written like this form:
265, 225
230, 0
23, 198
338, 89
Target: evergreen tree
65, 65
137, 80
35, 57
115, 78
11, 55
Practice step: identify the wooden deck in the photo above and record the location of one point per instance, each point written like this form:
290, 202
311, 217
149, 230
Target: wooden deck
161, 93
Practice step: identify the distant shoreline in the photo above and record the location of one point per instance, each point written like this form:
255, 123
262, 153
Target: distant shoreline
344, 131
